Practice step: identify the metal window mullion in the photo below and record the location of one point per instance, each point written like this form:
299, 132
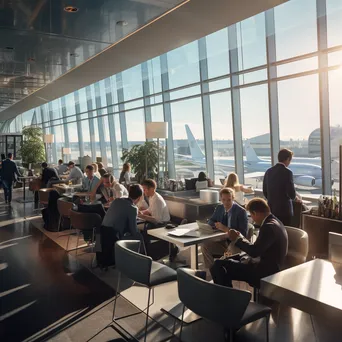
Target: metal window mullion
111, 122
122, 115
146, 92
206, 112
65, 127
91, 122
324, 96
235, 98
53, 131
272, 85
100, 124
167, 115
79, 123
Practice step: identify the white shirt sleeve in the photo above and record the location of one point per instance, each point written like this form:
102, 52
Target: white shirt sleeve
159, 209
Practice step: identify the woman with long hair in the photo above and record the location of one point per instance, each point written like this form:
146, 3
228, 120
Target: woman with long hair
96, 170
125, 175
232, 181
202, 181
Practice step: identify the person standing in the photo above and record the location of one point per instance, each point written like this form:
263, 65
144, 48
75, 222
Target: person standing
48, 174
278, 187
125, 175
9, 174
120, 222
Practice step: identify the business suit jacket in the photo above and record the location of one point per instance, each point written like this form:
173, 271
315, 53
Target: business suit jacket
278, 188
49, 173
9, 170
122, 217
238, 221
270, 246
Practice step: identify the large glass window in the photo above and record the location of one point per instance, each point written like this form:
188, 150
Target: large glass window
255, 133
334, 22
218, 53
183, 65
251, 39
132, 83
222, 134
295, 28
298, 101
135, 122
188, 137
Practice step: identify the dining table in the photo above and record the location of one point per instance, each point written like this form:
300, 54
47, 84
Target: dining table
24, 179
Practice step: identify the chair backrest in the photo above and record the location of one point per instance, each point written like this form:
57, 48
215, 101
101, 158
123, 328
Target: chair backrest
219, 304
64, 206
43, 195
35, 184
85, 221
298, 246
335, 247
133, 265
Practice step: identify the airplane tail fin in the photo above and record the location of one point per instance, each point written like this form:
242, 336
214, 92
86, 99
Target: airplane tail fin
195, 150
251, 156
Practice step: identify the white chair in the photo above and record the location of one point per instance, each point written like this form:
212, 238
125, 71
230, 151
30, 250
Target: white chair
335, 247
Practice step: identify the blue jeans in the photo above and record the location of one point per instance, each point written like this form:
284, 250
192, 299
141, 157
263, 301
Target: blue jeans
7, 189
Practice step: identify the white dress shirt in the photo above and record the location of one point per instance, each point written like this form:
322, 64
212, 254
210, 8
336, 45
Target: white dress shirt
158, 208
119, 190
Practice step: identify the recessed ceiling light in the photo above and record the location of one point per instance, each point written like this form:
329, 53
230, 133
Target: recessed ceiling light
9, 48
122, 23
70, 9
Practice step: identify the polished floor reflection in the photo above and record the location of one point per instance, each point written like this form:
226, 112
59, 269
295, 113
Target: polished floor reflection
41, 288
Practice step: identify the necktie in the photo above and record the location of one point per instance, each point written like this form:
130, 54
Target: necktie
225, 219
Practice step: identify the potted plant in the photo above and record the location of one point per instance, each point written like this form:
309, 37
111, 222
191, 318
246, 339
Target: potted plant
32, 147
143, 157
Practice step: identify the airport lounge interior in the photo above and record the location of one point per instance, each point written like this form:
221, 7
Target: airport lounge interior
214, 127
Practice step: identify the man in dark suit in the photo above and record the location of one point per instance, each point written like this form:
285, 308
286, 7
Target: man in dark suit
270, 248
227, 215
48, 174
9, 174
278, 187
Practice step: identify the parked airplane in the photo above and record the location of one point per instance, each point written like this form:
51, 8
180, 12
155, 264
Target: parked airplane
304, 174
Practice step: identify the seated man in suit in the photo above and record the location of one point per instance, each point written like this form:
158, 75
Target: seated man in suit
119, 222
270, 249
226, 215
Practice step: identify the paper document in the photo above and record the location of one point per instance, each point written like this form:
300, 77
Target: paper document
185, 232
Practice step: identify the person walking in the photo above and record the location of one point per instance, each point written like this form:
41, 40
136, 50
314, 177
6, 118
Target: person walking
9, 175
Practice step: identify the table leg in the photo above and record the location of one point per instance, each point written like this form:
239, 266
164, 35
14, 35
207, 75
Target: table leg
194, 257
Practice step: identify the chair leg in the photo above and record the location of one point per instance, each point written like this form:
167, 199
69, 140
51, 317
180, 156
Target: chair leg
116, 295
182, 322
78, 236
267, 327
93, 241
59, 222
148, 309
